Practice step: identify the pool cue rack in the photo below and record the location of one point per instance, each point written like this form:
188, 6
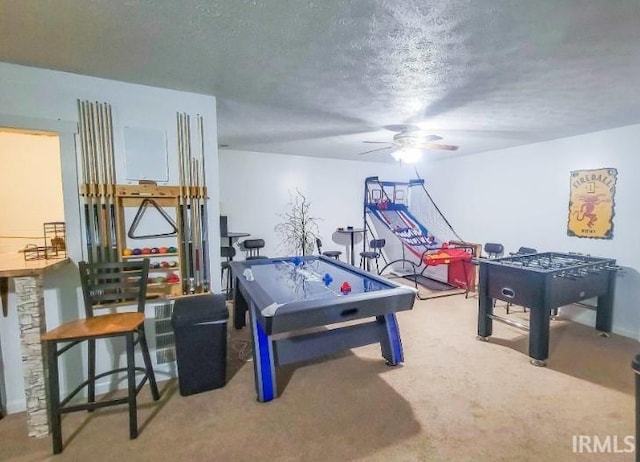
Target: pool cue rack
105, 203
169, 198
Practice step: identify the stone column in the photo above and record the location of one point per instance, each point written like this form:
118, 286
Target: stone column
32, 322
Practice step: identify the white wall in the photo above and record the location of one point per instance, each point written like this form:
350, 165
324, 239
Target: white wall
254, 190
520, 197
47, 100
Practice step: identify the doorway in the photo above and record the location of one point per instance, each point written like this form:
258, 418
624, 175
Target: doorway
31, 194
30, 187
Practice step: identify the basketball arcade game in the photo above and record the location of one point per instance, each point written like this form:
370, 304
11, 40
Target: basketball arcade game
417, 252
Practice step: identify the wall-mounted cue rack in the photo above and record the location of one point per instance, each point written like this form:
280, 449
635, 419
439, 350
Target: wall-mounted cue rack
183, 258
178, 268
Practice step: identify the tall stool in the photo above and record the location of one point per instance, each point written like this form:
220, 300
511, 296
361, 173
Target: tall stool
328, 253
374, 254
104, 285
228, 253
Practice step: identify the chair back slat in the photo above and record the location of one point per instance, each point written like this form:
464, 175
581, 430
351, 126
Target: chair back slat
114, 283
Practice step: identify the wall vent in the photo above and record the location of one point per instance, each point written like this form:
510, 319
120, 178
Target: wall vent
165, 341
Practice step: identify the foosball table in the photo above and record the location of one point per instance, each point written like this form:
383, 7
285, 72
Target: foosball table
543, 282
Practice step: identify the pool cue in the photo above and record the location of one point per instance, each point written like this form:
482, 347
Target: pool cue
83, 165
193, 212
111, 174
185, 261
107, 186
203, 208
94, 165
87, 187
102, 180
196, 224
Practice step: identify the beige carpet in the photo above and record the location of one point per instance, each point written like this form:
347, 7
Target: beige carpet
454, 399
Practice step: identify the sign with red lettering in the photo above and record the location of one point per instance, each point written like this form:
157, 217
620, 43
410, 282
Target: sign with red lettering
591, 203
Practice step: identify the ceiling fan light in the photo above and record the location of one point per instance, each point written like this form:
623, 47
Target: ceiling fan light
407, 155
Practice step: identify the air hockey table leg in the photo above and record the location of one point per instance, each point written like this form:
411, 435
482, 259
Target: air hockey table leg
390, 343
263, 362
240, 308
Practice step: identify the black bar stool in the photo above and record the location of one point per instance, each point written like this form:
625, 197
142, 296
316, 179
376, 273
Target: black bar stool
328, 253
374, 254
228, 253
104, 285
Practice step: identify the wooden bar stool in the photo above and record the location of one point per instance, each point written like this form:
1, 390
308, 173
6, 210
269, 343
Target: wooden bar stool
104, 285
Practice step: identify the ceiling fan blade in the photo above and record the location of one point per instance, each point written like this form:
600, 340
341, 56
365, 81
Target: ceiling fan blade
374, 150
444, 147
431, 138
402, 128
378, 142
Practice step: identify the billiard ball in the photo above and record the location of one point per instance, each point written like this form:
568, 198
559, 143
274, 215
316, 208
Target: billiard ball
137, 251
173, 264
163, 250
155, 250
172, 250
126, 252
146, 251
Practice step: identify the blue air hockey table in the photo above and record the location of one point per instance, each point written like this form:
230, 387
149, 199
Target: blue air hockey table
292, 294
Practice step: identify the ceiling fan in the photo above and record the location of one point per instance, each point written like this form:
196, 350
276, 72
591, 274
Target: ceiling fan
408, 142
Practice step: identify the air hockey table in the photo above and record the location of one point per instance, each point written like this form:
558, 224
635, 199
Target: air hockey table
302, 308
543, 282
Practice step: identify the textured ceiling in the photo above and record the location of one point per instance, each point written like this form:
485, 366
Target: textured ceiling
320, 77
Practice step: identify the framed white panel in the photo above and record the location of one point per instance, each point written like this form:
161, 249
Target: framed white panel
146, 154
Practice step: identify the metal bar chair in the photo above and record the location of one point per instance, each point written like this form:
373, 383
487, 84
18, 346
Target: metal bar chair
104, 286
376, 246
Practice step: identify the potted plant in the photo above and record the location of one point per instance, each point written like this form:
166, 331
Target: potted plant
298, 229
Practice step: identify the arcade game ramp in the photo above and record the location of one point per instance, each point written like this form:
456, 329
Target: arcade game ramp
391, 210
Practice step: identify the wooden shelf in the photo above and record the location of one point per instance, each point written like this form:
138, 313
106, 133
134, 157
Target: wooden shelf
165, 197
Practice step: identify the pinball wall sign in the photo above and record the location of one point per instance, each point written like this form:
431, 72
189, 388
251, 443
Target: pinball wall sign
591, 203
